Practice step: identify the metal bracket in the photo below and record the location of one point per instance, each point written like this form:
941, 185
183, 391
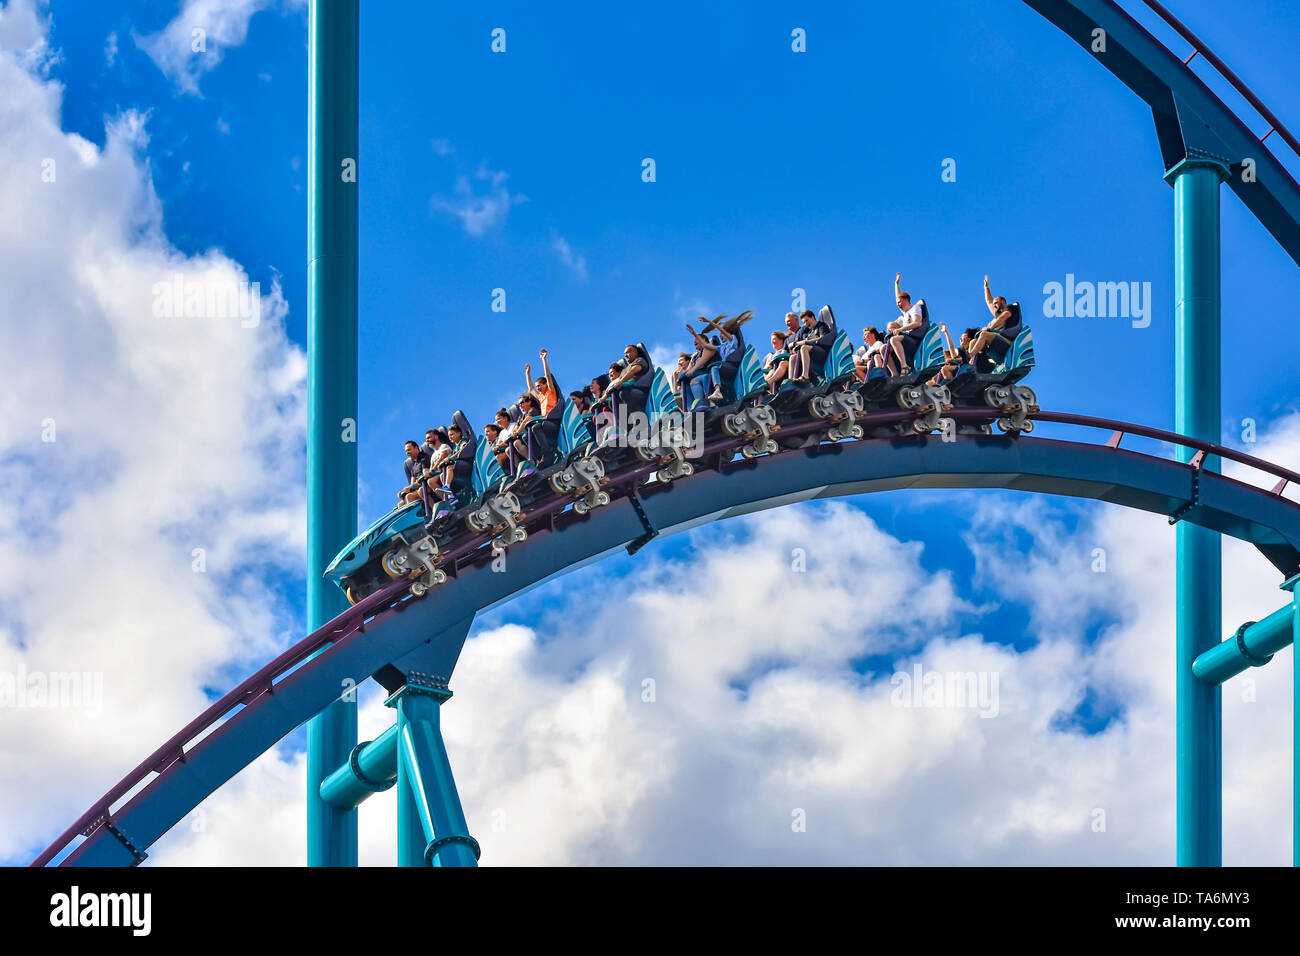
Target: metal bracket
139, 854
418, 682
1187, 506
432, 849
651, 532
354, 761
1245, 652
1186, 138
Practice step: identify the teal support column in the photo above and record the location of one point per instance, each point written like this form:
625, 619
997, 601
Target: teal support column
1293, 585
1199, 560
331, 385
411, 838
1253, 645
424, 780
371, 768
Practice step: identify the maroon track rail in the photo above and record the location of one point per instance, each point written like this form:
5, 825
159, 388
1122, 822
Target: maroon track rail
390, 599
1199, 47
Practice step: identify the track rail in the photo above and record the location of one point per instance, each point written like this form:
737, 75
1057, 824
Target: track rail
1198, 47
374, 612
1191, 120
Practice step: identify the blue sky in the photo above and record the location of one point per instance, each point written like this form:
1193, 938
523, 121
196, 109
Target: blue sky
775, 170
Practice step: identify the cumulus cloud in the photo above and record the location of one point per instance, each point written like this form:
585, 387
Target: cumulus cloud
140, 441
196, 40
150, 457
479, 211
24, 35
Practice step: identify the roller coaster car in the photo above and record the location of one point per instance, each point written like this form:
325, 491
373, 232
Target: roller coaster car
830, 397
647, 427
999, 389
743, 411
408, 541
881, 391
356, 569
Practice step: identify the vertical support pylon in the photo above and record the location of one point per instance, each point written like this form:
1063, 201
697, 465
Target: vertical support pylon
1293, 585
411, 838
426, 790
1199, 561
331, 385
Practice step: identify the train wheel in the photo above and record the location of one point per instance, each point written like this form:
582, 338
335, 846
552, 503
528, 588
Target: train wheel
560, 482
352, 598
731, 425
419, 589
581, 506
391, 566
645, 453
602, 498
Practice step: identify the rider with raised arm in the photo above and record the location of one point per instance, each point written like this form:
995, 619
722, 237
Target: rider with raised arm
730, 350
678, 380
955, 356
906, 332
997, 336
545, 389
696, 376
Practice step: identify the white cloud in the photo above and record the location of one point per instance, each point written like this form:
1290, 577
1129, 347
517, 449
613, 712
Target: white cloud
759, 710
178, 433
24, 33
110, 49
128, 440
692, 309
577, 263
479, 212
196, 40
664, 356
